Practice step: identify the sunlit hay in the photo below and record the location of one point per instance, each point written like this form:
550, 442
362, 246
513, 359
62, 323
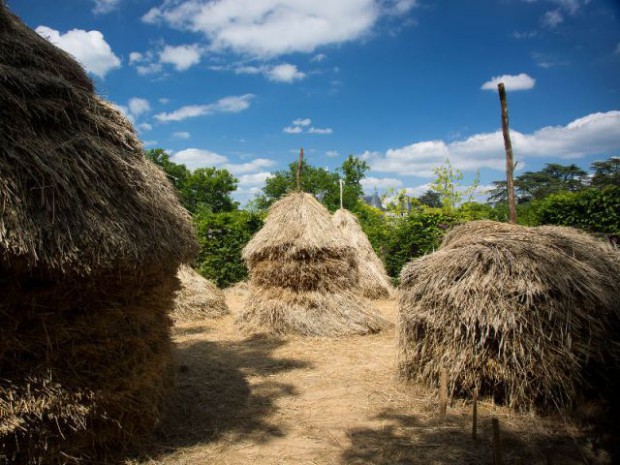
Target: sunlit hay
476, 228
511, 313
198, 297
91, 235
304, 276
373, 280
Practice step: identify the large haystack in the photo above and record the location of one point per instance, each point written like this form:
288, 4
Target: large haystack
520, 312
91, 235
373, 280
476, 229
304, 275
198, 297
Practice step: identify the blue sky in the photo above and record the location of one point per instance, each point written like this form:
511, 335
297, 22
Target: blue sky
405, 84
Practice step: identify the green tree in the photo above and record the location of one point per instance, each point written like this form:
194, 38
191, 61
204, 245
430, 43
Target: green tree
431, 199
177, 174
209, 188
606, 173
447, 184
353, 170
221, 237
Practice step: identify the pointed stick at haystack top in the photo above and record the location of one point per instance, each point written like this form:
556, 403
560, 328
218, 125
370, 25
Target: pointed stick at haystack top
304, 275
373, 280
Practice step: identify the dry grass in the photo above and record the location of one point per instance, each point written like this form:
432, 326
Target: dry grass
523, 314
373, 280
267, 400
304, 275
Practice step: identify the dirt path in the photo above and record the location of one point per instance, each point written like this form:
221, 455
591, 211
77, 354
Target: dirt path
263, 400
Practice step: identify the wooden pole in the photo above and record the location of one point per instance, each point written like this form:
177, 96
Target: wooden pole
341, 189
301, 159
510, 165
443, 392
498, 458
474, 424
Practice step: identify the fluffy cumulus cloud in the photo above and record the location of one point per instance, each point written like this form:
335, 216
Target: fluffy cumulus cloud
511, 82
138, 106
181, 135
269, 28
88, 47
232, 104
369, 183
197, 158
593, 134
105, 6
182, 57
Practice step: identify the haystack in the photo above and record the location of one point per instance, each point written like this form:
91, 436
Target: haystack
518, 313
373, 280
198, 297
304, 275
91, 235
476, 229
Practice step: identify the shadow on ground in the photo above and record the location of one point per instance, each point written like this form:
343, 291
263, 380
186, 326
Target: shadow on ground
214, 398
408, 440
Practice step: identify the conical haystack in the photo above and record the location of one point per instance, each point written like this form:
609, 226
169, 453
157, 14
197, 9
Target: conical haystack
91, 235
198, 297
373, 280
304, 275
527, 315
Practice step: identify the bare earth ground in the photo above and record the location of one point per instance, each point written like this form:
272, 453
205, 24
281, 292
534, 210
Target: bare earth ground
264, 400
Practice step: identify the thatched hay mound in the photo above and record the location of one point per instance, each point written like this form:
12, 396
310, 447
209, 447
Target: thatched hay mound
304, 276
373, 280
512, 313
91, 235
198, 297
476, 229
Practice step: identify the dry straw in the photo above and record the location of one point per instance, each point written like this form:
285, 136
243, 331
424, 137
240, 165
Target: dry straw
91, 235
373, 280
524, 314
198, 297
304, 275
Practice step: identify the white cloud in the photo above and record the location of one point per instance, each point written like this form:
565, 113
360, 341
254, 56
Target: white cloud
302, 122
244, 168
593, 134
285, 73
182, 57
279, 73
318, 58
292, 130
181, 135
138, 106
269, 28
143, 127
511, 82
256, 179
196, 158
332, 153
233, 104
552, 18
88, 47
320, 130
105, 6
164, 101
135, 57
150, 143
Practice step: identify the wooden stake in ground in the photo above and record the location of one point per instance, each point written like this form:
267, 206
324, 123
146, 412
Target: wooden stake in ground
474, 424
498, 458
443, 392
510, 165
301, 159
341, 189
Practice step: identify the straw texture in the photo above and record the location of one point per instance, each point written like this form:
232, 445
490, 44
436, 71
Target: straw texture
522, 314
304, 276
373, 280
198, 297
91, 235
